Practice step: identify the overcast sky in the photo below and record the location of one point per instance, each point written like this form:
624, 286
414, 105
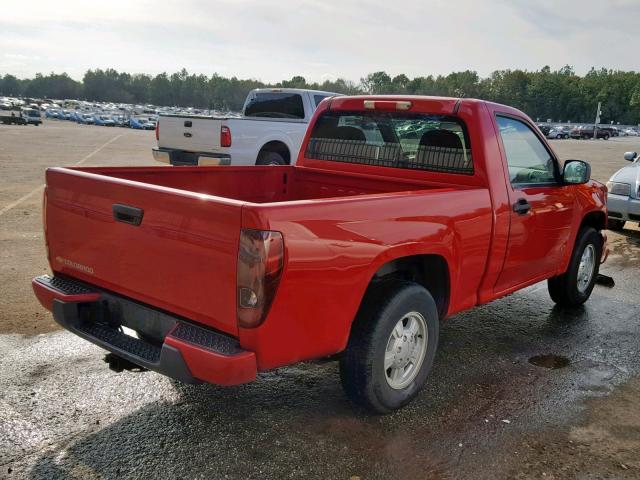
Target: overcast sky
319, 39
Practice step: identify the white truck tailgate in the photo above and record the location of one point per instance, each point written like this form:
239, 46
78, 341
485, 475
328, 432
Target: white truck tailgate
190, 133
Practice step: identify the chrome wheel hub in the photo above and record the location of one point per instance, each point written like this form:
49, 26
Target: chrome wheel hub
405, 351
586, 268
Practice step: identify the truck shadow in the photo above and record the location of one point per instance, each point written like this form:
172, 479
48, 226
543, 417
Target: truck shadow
297, 422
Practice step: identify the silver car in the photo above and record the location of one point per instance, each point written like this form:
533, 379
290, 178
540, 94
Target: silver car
623, 199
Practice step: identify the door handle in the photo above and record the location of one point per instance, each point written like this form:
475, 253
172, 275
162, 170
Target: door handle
522, 206
127, 214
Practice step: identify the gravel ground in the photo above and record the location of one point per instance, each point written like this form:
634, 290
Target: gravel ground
485, 413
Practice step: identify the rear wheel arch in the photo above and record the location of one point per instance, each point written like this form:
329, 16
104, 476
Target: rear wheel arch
275, 146
428, 270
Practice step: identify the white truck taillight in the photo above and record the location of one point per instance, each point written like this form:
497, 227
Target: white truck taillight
260, 264
225, 136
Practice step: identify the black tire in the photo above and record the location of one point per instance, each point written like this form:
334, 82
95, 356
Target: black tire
270, 158
615, 225
606, 136
362, 369
564, 289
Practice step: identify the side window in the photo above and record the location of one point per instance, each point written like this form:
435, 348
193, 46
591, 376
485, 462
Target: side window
318, 98
528, 159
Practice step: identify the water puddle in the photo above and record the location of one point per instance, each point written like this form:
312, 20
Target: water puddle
549, 361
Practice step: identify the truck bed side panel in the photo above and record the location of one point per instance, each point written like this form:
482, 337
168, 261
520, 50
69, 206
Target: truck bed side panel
333, 251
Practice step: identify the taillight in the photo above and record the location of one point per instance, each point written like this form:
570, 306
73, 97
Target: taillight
260, 264
225, 136
158, 130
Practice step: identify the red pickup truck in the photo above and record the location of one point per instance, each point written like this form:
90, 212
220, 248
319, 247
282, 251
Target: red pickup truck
400, 212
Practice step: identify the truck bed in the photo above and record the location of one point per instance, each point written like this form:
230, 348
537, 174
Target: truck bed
262, 184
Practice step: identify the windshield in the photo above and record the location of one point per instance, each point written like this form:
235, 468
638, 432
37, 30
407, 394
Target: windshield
275, 105
401, 140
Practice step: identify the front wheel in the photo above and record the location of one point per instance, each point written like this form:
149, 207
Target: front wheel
606, 137
392, 346
574, 287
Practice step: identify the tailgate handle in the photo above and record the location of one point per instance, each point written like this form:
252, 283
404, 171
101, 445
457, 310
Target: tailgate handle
127, 214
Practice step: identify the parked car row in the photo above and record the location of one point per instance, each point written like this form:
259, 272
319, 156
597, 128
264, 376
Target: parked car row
555, 131
103, 119
585, 132
106, 114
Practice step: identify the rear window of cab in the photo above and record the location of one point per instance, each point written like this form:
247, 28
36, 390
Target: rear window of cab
275, 105
436, 143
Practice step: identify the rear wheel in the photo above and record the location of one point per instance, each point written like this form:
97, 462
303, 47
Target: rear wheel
606, 136
270, 158
615, 225
392, 346
574, 287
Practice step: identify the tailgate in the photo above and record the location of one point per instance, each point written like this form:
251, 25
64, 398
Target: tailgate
193, 134
181, 258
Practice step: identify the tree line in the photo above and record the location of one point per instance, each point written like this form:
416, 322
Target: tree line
560, 95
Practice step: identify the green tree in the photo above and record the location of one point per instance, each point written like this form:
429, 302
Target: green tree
545, 93
377, 83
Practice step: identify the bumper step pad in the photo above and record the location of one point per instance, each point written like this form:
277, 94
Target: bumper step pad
205, 338
113, 336
66, 286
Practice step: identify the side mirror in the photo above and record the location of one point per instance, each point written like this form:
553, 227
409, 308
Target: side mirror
576, 172
630, 156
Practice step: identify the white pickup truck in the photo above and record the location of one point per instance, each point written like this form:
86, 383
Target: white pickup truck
270, 131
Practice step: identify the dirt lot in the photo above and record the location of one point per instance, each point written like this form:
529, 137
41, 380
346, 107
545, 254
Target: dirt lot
25, 153
485, 413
